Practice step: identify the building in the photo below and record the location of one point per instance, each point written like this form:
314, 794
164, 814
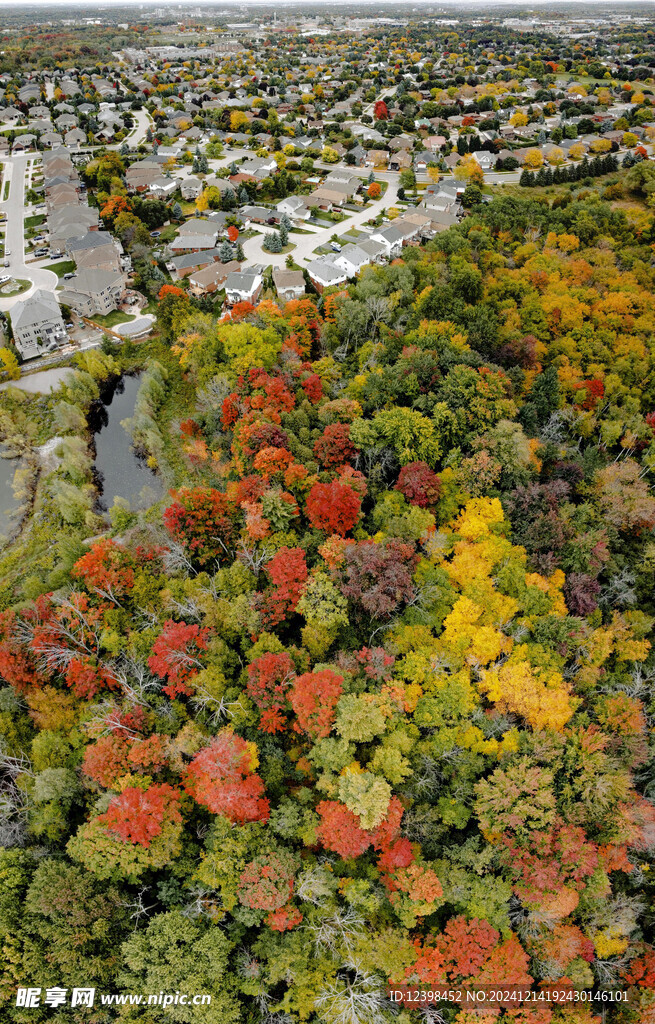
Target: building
243, 287
290, 284
212, 278
94, 292
323, 273
37, 324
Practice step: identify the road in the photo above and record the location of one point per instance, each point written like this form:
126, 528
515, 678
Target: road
14, 208
305, 244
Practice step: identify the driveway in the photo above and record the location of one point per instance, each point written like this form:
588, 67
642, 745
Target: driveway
14, 208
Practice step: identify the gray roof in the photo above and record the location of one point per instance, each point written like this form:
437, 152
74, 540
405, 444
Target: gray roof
91, 240
39, 306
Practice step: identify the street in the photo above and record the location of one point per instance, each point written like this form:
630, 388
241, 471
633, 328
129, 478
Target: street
14, 208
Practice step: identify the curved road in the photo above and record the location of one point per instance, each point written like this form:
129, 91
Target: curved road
15, 169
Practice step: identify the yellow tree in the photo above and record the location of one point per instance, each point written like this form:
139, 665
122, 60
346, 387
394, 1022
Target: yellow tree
469, 170
534, 158
238, 120
556, 156
518, 119
9, 363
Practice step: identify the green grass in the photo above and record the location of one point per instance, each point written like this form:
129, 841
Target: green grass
65, 267
16, 286
33, 222
112, 319
5, 191
168, 234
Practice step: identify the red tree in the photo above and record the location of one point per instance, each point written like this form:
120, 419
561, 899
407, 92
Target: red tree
232, 233
334, 446
314, 696
269, 678
381, 111
313, 388
175, 654
340, 830
138, 816
287, 571
106, 759
107, 569
333, 507
222, 778
419, 484
203, 521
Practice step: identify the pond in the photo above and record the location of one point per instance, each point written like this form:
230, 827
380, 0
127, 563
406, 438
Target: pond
119, 471
42, 382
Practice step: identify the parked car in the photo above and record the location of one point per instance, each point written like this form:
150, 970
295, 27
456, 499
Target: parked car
68, 276
335, 246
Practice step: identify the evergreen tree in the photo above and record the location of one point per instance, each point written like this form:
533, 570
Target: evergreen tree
225, 251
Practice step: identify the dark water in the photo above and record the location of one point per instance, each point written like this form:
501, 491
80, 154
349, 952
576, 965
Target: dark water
120, 472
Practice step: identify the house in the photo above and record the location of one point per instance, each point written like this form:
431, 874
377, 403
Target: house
163, 187
24, 142
182, 266
37, 324
95, 250
94, 292
289, 284
351, 259
243, 286
259, 167
390, 238
294, 207
376, 251
191, 188
258, 215
323, 273
400, 161
211, 278
74, 138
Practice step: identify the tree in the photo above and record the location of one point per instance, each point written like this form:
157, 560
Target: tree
378, 577
333, 507
175, 654
177, 953
313, 697
374, 190
9, 363
138, 816
225, 251
222, 778
203, 521
380, 111
419, 484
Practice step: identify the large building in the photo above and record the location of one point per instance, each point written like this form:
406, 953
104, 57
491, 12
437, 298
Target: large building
37, 324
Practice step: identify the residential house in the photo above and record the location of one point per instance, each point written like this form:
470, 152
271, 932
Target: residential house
24, 142
390, 238
37, 324
95, 250
258, 215
163, 187
94, 292
243, 286
294, 207
323, 273
191, 188
212, 278
289, 284
182, 266
351, 259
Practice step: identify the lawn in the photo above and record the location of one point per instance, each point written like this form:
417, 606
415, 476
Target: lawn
33, 222
65, 267
112, 319
16, 286
5, 191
